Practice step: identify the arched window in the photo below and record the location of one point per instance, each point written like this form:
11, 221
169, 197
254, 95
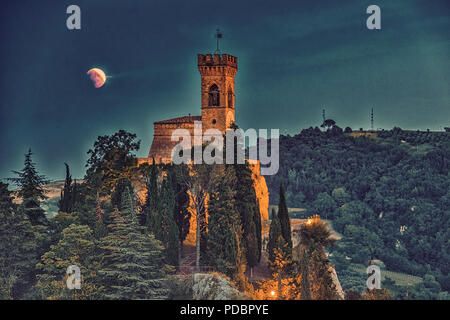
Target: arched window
214, 96
230, 97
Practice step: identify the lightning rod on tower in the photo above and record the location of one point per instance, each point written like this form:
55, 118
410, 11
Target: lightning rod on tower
218, 36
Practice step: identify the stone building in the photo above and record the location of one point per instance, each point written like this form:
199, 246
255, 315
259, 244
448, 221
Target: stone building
217, 112
217, 99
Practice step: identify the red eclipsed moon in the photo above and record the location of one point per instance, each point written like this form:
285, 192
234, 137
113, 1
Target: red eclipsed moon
98, 77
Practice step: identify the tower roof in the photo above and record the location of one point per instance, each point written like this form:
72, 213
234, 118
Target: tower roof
184, 119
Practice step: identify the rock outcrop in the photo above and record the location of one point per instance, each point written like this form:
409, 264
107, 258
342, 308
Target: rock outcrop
262, 192
213, 286
337, 284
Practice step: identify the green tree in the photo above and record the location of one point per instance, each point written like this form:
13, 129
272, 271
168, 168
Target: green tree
225, 246
181, 213
340, 196
116, 196
65, 202
285, 223
350, 212
276, 240
247, 205
31, 191
133, 263
150, 208
363, 242
324, 205
85, 203
18, 253
76, 247
168, 228
111, 159
159, 210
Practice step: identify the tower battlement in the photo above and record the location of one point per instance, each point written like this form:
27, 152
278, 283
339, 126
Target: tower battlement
217, 60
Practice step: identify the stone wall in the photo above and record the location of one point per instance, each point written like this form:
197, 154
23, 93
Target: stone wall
162, 145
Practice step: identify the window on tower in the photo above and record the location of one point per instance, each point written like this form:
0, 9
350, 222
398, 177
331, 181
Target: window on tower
214, 96
230, 97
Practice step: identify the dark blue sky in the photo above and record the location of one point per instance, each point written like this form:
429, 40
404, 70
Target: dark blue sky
295, 58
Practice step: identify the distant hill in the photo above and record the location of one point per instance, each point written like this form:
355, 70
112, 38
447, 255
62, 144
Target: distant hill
387, 194
53, 192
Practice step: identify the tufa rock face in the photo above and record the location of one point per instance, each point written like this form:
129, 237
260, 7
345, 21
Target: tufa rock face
213, 286
336, 282
262, 192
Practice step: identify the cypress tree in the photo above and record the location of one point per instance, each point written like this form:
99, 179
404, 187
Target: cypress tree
134, 261
119, 187
283, 216
276, 240
181, 213
247, 206
225, 249
152, 199
75, 195
168, 226
31, 191
153, 194
65, 203
251, 246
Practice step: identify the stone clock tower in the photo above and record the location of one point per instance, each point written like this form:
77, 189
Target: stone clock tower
217, 89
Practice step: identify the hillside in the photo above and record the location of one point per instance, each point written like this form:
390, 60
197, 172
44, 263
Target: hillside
387, 195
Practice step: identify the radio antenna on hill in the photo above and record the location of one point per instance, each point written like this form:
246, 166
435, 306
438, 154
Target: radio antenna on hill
371, 120
323, 115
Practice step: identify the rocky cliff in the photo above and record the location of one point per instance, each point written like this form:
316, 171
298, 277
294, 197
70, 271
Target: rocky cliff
262, 192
